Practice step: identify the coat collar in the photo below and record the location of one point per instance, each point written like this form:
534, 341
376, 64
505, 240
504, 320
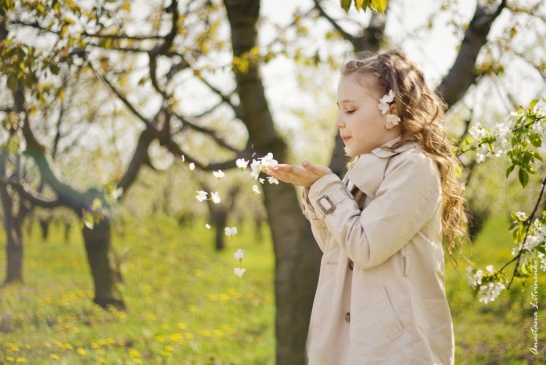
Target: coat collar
368, 171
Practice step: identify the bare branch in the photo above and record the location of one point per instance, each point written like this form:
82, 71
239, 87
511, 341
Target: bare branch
33, 197
346, 35
208, 132
122, 97
123, 36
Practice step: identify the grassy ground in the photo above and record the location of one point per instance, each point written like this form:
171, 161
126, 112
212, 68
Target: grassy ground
187, 307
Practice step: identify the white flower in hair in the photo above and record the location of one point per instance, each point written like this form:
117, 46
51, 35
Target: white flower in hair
385, 101
392, 120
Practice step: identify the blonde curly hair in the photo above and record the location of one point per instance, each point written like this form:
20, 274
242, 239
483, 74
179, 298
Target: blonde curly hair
422, 120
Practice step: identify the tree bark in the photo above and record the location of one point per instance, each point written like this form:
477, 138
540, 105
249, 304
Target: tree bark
297, 255
13, 225
103, 265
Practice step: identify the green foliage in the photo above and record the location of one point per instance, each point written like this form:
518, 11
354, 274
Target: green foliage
373, 5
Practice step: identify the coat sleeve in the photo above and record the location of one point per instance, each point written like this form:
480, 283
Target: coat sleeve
404, 202
318, 227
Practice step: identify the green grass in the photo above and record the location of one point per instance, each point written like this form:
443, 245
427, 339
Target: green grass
186, 306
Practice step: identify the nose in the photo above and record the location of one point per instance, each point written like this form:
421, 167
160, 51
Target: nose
339, 121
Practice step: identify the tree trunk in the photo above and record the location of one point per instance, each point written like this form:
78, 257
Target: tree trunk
44, 225
14, 249
297, 255
102, 261
67, 227
219, 217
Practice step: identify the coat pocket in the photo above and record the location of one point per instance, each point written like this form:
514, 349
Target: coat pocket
385, 312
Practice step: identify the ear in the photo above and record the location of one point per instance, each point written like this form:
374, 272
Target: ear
393, 109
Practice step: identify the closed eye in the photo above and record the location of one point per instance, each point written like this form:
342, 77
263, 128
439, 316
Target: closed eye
349, 111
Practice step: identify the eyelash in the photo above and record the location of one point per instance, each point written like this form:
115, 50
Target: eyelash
349, 111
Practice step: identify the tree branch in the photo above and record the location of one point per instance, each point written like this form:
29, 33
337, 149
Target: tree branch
462, 75
207, 131
529, 222
36, 199
122, 98
346, 35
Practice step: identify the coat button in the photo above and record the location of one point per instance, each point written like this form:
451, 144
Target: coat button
347, 317
351, 264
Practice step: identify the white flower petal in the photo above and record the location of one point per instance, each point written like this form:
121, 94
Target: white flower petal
239, 271
192, 166
239, 255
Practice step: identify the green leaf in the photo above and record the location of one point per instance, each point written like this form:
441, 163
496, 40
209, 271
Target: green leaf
380, 5
523, 177
358, 4
346, 4
535, 140
533, 103
509, 170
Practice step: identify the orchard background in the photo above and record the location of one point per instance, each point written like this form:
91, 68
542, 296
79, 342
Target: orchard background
116, 114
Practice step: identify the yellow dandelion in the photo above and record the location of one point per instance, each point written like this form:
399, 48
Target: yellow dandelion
197, 272
218, 333
159, 338
137, 361
213, 297
27, 346
175, 337
169, 348
189, 336
21, 360
10, 359
192, 308
95, 345
47, 344
81, 351
224, 297
54, 356
100, 351
182, 326
102, 361
134, 353
164, 353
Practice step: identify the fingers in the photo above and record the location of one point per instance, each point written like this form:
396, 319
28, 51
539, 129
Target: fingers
316, 169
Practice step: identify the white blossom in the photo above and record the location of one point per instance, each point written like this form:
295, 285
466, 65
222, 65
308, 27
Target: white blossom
239, 271
385, 101
489, 292
242, 163
393, 119
489, 268
207, 226
256, 190
218, 174
273, 180
215, 197
192, 166
230, 231
239, 255
201, 196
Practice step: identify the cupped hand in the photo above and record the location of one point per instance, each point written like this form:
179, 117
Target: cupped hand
304, 175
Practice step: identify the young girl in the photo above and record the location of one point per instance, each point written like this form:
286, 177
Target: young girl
380, 297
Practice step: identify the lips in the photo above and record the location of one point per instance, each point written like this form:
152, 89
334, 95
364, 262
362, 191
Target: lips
345, 139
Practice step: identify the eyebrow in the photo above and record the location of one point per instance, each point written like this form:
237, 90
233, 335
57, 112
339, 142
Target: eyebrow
346, 101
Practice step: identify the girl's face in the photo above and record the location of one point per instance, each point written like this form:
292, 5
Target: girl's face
360, 122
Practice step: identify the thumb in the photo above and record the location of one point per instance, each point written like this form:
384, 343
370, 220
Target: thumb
316, 169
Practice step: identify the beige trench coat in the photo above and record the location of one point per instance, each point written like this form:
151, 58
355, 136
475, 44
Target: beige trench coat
380, 297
